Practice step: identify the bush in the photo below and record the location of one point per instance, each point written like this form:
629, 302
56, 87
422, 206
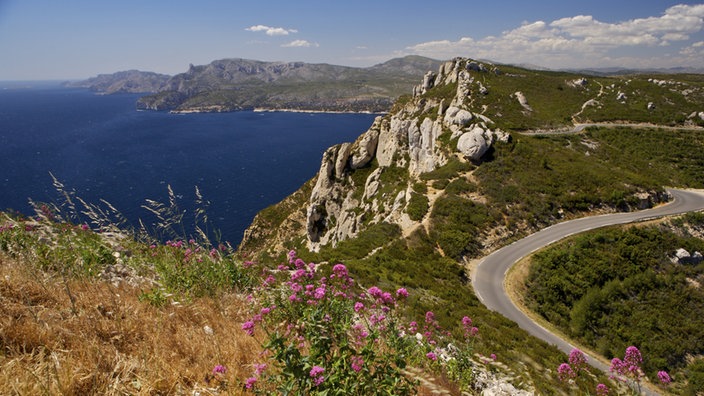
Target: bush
417, 206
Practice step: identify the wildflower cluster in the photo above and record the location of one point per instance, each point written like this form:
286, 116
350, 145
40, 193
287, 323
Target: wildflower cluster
577, 364
629, 369
324, 334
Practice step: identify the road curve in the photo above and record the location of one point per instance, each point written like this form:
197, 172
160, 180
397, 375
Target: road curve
488, 278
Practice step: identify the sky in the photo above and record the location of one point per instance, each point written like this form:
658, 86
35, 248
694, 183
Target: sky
76, 39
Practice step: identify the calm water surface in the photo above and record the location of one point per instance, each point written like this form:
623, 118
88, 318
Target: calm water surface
102, 148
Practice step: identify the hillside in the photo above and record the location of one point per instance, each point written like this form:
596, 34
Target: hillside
478, 156
236, 84
131, 81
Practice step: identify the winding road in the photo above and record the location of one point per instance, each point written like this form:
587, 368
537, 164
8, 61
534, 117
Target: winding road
488, 278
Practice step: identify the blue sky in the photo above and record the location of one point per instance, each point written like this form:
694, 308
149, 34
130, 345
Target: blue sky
49, 39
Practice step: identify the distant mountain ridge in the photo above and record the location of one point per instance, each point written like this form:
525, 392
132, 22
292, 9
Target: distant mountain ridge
237, 84
130, 81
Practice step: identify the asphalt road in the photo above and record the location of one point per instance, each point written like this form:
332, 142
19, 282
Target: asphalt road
488, 278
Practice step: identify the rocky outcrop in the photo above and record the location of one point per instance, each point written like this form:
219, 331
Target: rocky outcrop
396, 150
523, 101
682, 256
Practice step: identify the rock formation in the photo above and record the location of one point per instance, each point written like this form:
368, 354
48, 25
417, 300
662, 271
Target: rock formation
394, 151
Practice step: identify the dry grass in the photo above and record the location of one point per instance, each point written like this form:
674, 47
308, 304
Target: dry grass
79, 337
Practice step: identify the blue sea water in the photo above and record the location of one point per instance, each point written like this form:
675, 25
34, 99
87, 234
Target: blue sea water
101, 147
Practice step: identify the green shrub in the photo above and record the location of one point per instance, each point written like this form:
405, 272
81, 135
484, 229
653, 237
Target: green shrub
417, 206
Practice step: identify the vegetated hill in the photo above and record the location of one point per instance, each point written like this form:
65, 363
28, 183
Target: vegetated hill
235, 84
130, 81
450, 174
622, 286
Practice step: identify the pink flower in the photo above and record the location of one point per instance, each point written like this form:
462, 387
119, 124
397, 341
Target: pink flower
664, 377
429, 317
357, 363
249, 383
219, 369
616, 366
265, 310
358, 306
259, 368
248, 327
340, 270
493, 356
564, 372
466, 321
319, 293
291, 256
578, 360
602, 390
432, 356
402, 293
633, 359
317, 374
375, 292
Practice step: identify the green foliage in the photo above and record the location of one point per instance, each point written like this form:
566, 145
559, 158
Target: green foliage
417, 206
456, 224
460, 186
616, 287
665, 157
450, 170
374, 236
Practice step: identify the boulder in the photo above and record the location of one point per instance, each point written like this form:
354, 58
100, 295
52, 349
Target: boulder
473, 144
474, 66
457, 116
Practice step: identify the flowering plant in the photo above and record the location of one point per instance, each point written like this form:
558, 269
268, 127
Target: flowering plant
324, 336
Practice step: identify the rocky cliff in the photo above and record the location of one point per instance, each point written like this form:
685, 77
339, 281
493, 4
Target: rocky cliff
371, 180
235, 84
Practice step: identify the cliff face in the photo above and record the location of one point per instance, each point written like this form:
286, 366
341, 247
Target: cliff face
235, 84
371, 180
130, 81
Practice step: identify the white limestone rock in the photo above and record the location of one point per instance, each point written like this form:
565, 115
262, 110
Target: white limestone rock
364, 149
473, 144
341, 160
523, 101
457, 116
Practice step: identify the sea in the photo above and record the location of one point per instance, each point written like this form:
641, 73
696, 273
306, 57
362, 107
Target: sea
101, 148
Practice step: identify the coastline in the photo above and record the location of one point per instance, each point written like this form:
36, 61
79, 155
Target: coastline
283, 110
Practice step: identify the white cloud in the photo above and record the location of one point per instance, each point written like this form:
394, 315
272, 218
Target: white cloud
300, 43
580, 40
271, 31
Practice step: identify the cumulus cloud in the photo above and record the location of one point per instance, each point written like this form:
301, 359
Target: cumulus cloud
299, 43
271, 31
579, 40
